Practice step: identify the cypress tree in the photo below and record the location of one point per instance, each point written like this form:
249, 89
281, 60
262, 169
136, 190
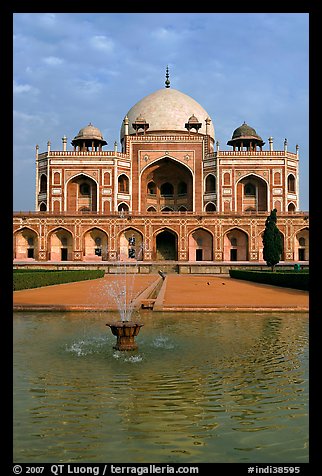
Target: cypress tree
272, 241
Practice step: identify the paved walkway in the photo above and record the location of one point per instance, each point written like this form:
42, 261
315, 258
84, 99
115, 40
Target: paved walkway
178, 293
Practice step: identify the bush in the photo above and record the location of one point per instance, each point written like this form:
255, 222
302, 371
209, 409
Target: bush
39, 278
288, 279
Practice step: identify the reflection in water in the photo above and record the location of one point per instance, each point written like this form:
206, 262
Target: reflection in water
201, 388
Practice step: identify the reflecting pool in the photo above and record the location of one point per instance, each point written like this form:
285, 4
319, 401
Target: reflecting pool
200, 388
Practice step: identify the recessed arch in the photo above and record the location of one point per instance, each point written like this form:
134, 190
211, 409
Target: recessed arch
43, 183
26, 244
291, 207
130, 244
123, 183
95, 244
75, 198
166, 209
166, 182
210, 183
302, 245
291, 183
236, 242
165, 245
60, 244
210, 207
200, 242
252, 191
123, 207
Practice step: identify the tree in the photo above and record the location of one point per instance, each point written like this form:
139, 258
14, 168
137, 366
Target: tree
272, 241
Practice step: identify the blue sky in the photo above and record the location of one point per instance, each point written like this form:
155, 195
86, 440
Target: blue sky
74, 68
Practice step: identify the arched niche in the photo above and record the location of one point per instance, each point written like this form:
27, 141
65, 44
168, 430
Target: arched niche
26, 245
166, 245
252, 192
200, 245
236, 245
60, 245
301, 245
130, 245
95, 245
166, 183
81, 194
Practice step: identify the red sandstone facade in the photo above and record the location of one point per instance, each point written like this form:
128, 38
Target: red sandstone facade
170, 194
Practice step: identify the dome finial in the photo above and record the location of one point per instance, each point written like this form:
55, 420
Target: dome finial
167, 82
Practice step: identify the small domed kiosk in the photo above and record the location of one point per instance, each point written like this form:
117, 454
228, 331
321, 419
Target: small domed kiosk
89, 138
245, 138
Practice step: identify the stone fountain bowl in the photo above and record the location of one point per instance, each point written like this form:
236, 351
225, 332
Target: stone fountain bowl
125, 331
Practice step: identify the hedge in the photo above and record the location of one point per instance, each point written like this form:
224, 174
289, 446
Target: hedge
295, 280
47, 278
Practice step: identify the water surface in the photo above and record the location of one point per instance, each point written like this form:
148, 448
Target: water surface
200, 388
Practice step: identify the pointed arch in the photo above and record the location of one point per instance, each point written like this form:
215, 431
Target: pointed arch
60, 244
95, 244
252, 191
200, 242
291, 183
130, 244
123, 183
169, 183
236, 244
26, 244
81, 191
210, 183
165, 244
302, 245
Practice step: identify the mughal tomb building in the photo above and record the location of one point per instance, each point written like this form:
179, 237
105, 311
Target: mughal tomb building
172, 193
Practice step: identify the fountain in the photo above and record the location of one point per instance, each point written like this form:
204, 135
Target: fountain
125, 329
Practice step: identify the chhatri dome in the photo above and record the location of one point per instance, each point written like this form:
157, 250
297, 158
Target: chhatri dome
89, 132
168, 109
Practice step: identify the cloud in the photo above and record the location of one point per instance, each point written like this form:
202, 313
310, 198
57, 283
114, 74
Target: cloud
23, 88
102, 42
53, 60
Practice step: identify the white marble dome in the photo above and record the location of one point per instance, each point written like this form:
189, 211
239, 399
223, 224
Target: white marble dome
168, 110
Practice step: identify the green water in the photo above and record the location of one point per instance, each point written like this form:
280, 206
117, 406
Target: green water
200, 388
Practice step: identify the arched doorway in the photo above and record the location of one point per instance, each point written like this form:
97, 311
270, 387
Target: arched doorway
26, 245
200, 245
301, 245
236, 245
95, 245
166, 246
131, 245
61, 245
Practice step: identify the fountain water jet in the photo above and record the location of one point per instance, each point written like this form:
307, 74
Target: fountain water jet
121, 290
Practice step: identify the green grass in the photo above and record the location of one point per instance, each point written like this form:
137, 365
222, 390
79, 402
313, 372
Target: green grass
27, 279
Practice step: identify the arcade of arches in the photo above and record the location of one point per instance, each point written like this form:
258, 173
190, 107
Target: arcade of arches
95, 244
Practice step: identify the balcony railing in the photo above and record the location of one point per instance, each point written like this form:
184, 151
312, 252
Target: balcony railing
22, 214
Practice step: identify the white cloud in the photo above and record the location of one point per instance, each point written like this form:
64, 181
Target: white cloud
53, 60
102, 42
168, 34
23, 88
26, 117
